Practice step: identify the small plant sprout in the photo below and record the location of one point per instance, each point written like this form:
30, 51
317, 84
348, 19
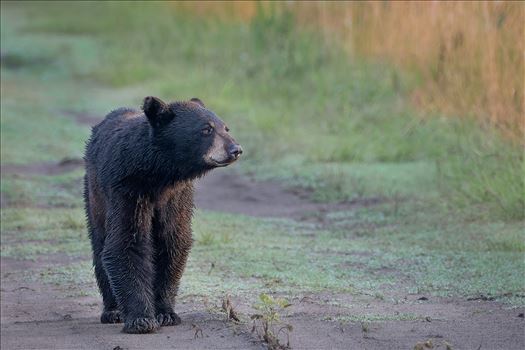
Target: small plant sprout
268, 324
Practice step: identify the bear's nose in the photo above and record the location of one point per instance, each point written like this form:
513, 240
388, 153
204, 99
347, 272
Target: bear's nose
235, 150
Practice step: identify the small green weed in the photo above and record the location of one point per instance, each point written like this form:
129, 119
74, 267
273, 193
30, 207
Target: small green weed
268, 324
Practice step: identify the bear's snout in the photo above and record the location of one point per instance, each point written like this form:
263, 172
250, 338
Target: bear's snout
235, 150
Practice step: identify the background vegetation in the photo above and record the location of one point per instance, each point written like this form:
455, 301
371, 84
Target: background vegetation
468, 56
317, 104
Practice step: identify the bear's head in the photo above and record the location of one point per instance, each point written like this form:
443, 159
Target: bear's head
190, 134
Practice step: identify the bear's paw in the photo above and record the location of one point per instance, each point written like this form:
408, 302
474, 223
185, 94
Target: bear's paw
111, 316
168, 319
141, 325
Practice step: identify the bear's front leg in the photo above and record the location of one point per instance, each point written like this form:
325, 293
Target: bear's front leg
173, 240
127, 259
170, 265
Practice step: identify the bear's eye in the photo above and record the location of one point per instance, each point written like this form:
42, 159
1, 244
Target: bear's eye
207, 130
227, 129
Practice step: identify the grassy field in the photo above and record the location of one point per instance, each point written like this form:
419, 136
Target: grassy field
466, 55
450, 216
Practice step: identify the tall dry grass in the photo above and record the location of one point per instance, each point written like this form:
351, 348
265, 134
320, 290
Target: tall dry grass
469, 55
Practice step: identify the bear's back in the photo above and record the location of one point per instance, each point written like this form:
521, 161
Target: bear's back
118, 118
118, 125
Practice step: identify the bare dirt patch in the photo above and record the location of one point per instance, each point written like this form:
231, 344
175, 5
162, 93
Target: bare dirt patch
224, 190
358, 324
42, 168
36, 316
11, 60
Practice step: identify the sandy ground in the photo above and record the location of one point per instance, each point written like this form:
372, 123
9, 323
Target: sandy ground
38, 316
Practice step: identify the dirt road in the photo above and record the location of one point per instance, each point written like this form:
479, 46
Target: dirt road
42, 316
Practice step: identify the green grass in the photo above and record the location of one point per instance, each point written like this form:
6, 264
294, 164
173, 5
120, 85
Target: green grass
33, 190
75, 279
244, 255
30, 233
449, 218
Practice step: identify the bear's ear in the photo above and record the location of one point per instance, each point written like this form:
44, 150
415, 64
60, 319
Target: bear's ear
154, 109
198, 101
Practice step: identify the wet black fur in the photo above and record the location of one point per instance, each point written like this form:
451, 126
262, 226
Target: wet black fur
139, 201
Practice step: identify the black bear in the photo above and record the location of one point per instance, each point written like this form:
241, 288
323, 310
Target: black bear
138, 192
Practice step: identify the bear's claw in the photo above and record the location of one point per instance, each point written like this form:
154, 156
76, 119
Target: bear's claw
141, 325
111, 316
168, 319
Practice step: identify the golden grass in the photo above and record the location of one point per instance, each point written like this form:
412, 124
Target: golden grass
470, 55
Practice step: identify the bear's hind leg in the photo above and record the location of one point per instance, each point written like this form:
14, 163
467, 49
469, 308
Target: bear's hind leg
111, 313
95, 223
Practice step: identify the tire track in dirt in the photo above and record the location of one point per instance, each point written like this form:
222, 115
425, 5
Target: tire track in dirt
42, 168
222, 190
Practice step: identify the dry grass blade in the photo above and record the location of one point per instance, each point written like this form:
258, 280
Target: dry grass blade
198, 330
227, 307
424, 345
